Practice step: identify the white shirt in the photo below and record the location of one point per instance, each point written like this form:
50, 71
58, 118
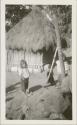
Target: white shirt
24, 72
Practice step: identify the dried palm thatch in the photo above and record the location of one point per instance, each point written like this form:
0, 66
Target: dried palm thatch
33, 32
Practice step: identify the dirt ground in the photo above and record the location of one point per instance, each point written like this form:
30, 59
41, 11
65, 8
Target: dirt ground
43, 102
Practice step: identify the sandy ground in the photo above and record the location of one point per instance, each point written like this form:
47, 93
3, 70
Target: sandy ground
43, 103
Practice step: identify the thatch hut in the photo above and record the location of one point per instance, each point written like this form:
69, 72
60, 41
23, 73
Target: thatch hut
32, 39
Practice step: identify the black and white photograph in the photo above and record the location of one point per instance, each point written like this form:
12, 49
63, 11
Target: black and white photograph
38, 62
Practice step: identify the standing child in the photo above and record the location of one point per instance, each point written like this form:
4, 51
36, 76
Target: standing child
24, 73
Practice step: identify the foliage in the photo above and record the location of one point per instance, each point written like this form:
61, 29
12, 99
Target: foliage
14, 13
64, 16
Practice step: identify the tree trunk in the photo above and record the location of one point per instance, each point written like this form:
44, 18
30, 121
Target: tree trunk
53, 20
59, 47
55, 23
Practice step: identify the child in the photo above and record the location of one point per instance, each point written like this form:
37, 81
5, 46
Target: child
24, 73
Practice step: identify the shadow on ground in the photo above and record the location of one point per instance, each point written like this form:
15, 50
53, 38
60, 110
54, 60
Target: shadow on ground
12, 87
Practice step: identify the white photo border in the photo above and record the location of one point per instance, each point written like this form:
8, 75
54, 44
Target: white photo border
3, 63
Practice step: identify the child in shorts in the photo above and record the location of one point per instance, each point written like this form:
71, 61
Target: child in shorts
24, 73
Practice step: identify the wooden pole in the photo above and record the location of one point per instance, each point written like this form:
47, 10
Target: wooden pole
52, 65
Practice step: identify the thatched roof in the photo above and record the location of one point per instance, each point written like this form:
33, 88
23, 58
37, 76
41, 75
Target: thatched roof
33, 32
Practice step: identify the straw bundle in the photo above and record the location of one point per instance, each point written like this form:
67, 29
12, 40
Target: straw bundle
34, 32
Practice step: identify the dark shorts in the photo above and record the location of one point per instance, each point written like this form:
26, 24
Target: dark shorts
24, 84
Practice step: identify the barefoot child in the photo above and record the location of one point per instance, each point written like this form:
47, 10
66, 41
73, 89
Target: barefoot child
24, 73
